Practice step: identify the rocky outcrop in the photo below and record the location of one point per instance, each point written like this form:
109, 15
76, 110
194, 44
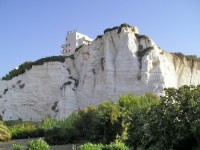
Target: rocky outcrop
120, 61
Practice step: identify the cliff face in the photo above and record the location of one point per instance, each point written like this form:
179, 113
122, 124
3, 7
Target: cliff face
121, 61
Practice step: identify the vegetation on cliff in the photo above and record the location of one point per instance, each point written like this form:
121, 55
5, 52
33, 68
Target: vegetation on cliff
28, 65
181, 56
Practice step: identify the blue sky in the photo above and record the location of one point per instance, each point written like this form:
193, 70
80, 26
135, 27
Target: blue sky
32, 29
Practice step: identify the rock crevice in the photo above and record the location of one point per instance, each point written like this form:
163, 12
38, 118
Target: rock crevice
120, 61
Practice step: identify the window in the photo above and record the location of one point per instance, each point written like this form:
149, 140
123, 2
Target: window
69, 44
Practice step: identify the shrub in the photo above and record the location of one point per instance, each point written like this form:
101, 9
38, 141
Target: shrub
4, 133
38, 145
109, 116
112, 146
107, 30
115, 146
48, 123
68, 122
62, 131
58, 136
188, 57
99, 124
87, 123
122, 26
98, 37
109, 120
172, 124
138, 36
33, 145
25, 130
17, 147
90, 146
110, 29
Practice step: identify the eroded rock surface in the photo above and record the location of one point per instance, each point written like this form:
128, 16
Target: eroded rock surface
116, 63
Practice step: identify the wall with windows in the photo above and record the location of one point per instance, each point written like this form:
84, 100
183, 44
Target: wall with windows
73, 40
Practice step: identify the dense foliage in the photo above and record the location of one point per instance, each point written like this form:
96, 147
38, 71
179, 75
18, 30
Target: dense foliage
33, 145
28, 65
173, 124
5, 134
38, 145
139, 122
102, 123
59, 136
145, 122
112, 146
26, 130
90, 146
17, 147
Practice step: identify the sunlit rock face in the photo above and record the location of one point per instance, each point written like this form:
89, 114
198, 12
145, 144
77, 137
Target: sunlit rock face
121, 61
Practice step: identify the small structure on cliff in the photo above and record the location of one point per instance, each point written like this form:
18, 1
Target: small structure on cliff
74, 40
119, 61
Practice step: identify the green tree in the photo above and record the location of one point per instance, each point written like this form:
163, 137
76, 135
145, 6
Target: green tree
173, 124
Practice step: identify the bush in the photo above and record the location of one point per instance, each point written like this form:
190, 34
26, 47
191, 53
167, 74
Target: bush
4, 133
59, 136
62, 131
98, 37
25, 130
90, 146
38, 145
172, 124
109, 120
17, 147
87, 123
48, 123
99, 124
188, 57
110, 29
67, 122
115, 146
107, 30
122, 26
109, 116
33, 145
112, 146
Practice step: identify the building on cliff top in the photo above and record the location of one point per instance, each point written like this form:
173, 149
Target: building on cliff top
73, 40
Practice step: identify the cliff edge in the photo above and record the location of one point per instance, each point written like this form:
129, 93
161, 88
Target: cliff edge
120, 61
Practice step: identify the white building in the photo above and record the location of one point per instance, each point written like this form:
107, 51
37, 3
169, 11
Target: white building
73, 40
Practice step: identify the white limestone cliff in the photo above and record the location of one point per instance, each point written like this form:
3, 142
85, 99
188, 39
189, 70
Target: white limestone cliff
121, 61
